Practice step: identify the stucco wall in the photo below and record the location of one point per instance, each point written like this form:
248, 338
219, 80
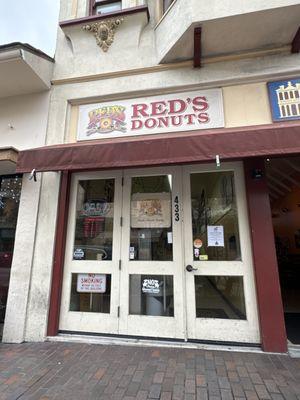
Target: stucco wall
28, 116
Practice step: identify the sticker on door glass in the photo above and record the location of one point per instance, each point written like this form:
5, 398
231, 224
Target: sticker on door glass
99, 207
131, 253
78, 254
91, 283
215, 235
150, 286
198, 243
170, 237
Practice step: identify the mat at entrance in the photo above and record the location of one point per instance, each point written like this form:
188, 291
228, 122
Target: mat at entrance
292, 324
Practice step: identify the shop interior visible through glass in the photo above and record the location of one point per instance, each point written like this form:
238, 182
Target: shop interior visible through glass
94, 220
151, 236
151, 295
214, 217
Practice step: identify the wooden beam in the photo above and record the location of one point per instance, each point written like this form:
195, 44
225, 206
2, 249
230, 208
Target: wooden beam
271, 186
296, 42
284, 175
197, 47
273, 196
292, 165
279, 183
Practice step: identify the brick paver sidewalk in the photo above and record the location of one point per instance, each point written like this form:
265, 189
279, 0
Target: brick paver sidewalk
81, 371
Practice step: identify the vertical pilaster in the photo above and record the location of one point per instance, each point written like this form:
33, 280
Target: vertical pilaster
269, 299
59, 254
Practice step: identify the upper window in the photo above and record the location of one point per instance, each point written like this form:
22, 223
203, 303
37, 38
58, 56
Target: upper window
105, 6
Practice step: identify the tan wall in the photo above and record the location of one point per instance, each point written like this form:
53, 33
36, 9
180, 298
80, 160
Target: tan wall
23, 120
246, 105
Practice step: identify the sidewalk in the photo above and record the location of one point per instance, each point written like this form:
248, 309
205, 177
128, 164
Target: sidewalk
81, 371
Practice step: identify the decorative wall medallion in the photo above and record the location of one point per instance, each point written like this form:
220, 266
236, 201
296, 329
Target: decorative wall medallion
104, 31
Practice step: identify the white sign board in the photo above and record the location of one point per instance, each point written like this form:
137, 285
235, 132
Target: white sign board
91, 283
199, 109
215, 236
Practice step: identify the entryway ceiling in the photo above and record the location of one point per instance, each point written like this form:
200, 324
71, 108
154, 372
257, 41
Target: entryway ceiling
283, 174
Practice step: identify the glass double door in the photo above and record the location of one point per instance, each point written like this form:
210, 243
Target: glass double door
160, 252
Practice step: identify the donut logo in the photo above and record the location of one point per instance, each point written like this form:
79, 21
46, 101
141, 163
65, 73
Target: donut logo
107, 119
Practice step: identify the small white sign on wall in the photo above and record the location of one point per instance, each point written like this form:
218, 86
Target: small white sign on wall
199, 109
91, 283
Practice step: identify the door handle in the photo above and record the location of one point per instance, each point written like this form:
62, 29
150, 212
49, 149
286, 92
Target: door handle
190, 268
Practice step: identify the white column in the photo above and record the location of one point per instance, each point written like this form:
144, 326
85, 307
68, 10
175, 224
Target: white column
281, 113
286, 111
38, 299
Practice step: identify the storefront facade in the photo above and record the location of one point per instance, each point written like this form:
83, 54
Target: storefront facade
144, 282
154, 214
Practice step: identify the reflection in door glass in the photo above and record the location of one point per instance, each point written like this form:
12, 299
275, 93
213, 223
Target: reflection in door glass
151, 218
220, 297
10, 191
214, 217
94, 220
151, 295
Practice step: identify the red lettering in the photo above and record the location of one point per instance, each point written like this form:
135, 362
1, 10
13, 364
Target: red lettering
163, 122
158, 108
190, 119
177, 106
136, 124
203, 118
139, 110
150, 123
179, 120
200, 104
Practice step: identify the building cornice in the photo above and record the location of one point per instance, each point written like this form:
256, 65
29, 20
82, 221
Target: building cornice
170, 66
26, 47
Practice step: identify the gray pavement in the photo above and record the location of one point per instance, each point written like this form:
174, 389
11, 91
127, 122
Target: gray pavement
81, 371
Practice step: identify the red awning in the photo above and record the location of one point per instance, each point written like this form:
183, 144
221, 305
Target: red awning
168, 148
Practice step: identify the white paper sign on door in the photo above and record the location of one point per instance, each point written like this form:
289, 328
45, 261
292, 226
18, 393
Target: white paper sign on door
215, 236
151, 210
91, 283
